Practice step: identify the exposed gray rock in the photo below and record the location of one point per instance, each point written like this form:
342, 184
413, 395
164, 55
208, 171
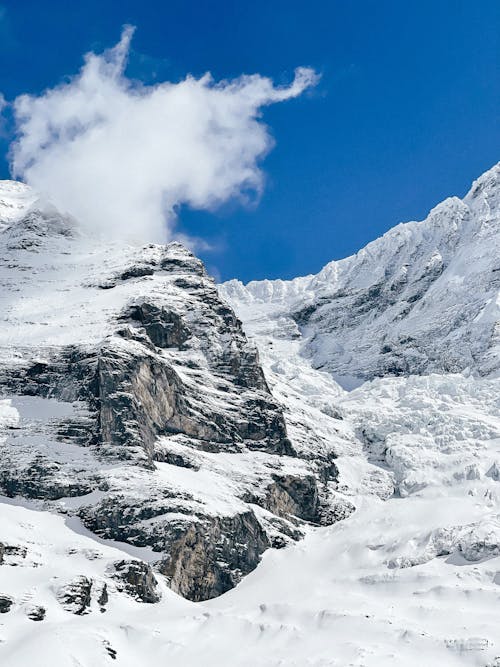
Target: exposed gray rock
474, 548
11, 554
207, 558
494, 471
103, 598
110, 650
6, 603
75, 596
137, 580
42, 479
336, 510
36, 613
202, 556
293, 496
164, 327
138, 521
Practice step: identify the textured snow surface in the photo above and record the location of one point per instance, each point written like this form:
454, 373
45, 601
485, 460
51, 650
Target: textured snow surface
412, 577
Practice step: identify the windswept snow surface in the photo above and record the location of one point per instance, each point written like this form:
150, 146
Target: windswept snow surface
412, 577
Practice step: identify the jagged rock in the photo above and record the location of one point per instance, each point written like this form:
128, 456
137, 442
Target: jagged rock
103, 598
206, 559
494, 471
480, 541
129, 519
6, 603
142, 396
136, 578
75, 596
11, 554
138, 395
293, 496
201, 556
36, 613
165, 454
67, 373
336, 510
110, 650
164, 327
42, 479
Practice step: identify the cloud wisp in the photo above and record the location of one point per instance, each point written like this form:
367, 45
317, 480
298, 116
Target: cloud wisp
121, 156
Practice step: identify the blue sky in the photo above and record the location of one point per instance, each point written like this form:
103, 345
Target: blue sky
406, 112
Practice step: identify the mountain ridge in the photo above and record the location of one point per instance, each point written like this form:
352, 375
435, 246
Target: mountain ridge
437, 279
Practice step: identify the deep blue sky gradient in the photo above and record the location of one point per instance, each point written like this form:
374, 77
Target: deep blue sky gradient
405, 115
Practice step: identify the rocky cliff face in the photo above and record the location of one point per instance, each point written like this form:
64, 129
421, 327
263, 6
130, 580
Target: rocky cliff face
142, 401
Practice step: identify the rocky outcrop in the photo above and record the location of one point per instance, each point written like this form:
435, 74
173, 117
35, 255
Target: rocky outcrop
292, 496
12, 554
201, 556
142, 396
164, 327
75, 596
42, 479
6, 603
207, 558
136, 578
36, 613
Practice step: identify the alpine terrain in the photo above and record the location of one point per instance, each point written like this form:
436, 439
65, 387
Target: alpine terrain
295, 473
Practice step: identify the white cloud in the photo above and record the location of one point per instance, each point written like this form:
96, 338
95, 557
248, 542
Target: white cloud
121, 156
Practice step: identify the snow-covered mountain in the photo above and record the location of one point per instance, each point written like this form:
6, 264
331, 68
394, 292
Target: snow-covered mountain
142, 408
335, 450
422, 298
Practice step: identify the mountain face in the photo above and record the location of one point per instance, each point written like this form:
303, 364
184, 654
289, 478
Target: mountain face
423, 298
141, 400
331, 444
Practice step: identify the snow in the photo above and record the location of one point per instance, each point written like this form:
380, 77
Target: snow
411, 578
424, 297
15, 200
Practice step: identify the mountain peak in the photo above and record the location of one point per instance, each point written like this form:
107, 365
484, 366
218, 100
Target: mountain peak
487, 184
15, 200
412, 301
